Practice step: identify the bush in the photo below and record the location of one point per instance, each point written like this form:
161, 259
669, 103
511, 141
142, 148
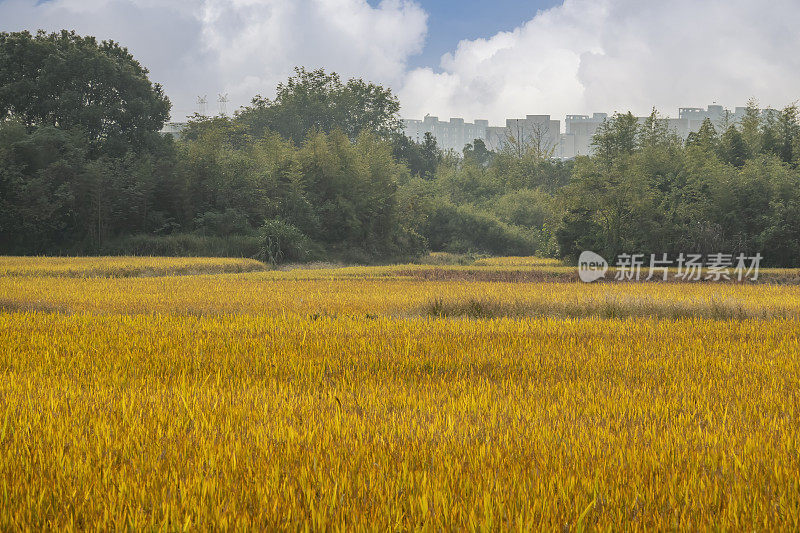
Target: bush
461, 229
525, 207
228, 222
186, 245
281, 242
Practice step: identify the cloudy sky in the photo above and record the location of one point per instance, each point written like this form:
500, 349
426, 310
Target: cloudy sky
455, 58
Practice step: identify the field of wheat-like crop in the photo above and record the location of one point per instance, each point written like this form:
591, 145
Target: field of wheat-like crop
385, 399
80, 267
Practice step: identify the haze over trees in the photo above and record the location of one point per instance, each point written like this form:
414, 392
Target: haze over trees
323, 171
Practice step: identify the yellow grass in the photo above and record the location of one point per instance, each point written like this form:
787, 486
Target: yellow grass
366, 399
123, 266
362, 291
517, 261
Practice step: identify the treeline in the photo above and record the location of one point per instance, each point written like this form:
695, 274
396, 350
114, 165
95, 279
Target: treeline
323, 171
645, 191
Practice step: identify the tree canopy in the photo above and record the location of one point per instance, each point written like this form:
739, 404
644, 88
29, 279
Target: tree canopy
72, 82
318, 101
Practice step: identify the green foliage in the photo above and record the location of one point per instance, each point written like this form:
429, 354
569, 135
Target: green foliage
318, 101
73, 82
422, 159
322, 171
229, 222
184, 245
733, 149
40, 193
464, 228
705, 138
787, 135
531, 208
57, 199
340, 194
616, 138
281, 242
477, 153
736, 193
750, 129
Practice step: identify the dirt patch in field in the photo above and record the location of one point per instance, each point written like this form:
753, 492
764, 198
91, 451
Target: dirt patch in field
512, 276
788, 277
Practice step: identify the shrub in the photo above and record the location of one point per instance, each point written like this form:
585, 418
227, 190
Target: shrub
185, 244
228, 222
281, 242
461, 229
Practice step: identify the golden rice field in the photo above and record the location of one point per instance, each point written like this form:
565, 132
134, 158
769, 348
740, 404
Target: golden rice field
384, 399
123, 266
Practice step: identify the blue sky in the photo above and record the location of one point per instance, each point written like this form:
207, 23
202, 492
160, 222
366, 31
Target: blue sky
450, 21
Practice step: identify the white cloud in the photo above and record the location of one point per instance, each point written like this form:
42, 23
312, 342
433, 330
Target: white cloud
240, 47
606, 55
579, 57
258, 42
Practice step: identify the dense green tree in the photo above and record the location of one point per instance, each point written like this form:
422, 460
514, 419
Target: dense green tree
318, 101
38, 194
716, 195
655, 132
620, 203
706, 137
616, 138
468, 183
73, 82
431, 155
422, 159
323, 171
787, 136
477, 152
465, 228
733, 148
769, 132
531, 208
750, 129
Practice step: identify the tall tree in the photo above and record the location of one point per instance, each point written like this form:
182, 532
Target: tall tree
318, 101
615, 138
733, 148
706, 137
421, 158
750, 128
431, 155
477, 152
788, 134
68, 81
654, 132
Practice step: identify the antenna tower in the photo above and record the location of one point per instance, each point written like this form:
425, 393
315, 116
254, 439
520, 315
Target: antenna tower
223, 104
202, 102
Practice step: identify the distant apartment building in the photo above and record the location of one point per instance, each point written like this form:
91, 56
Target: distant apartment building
174, 128
537, 130
457, 133
454, 134
577, 140
541, 129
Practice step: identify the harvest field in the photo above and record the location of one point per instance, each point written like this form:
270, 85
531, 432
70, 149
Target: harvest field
500, 395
